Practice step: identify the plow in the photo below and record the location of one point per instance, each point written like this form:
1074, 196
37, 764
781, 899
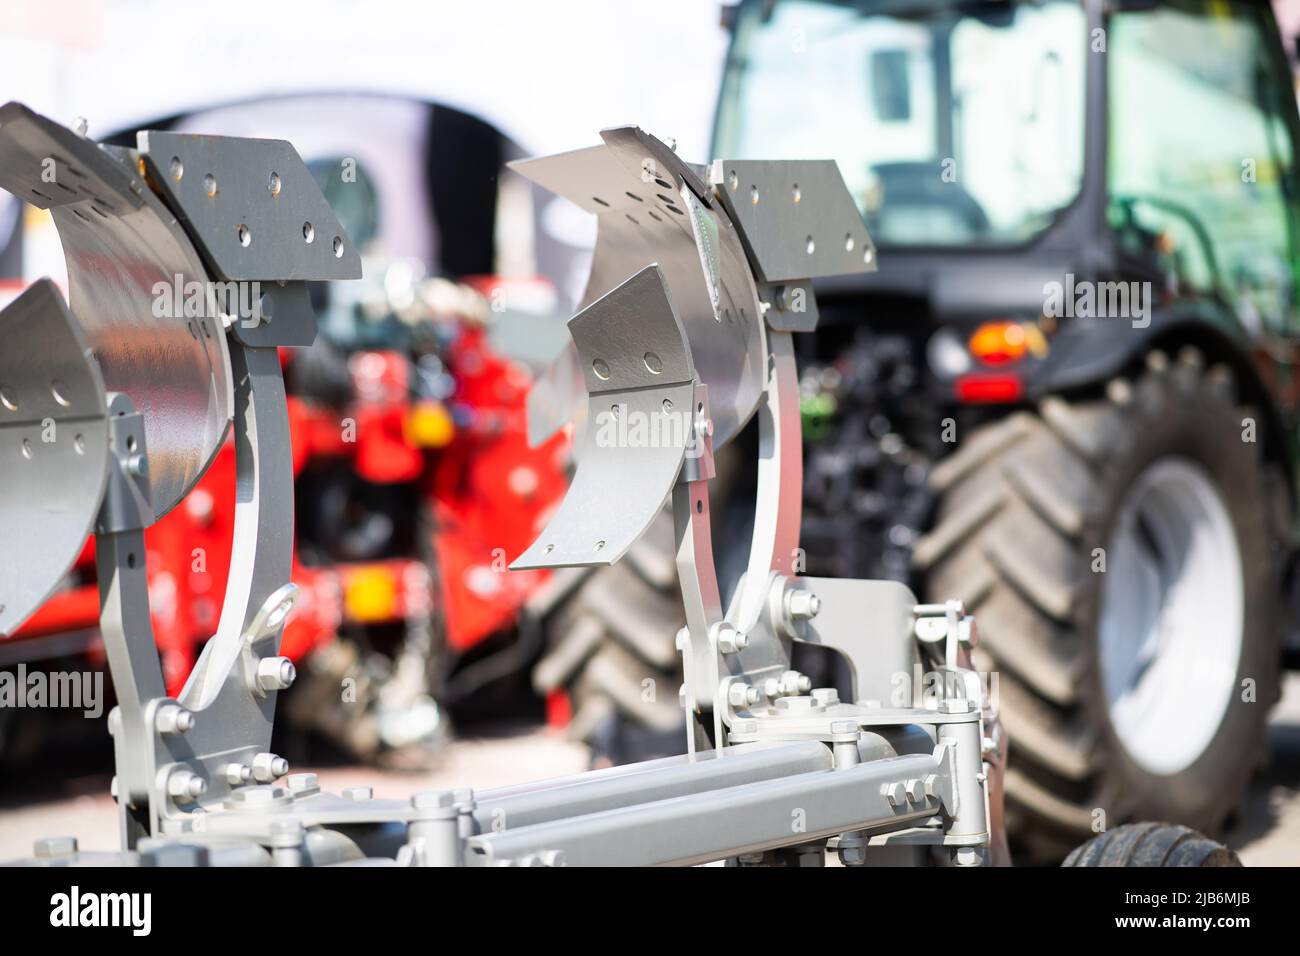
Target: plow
809, 734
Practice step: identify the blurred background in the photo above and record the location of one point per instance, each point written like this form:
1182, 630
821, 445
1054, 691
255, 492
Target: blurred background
418, 656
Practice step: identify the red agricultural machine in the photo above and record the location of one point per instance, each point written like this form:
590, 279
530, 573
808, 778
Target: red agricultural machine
415, 483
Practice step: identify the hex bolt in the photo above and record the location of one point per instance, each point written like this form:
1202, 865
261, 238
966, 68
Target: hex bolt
730, 640
237, 773
845, 751
434, 801
803, 604
275, 673
772, 688
303, 784
184, 786
791, 683
359, 794
436, 832
173, 719
931, 784
967, 856
55, 846
957, 705
894, 793
742, 695
268, 767
286, 842
915, 791
853, 854
465, 804
138, 466
825, 696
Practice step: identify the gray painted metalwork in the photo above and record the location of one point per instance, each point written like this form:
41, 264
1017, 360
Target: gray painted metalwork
53, 445
255, 203
638, 424
126, 257
778, 770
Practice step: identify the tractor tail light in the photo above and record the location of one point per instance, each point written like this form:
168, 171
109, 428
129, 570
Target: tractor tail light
999, 343
989, 389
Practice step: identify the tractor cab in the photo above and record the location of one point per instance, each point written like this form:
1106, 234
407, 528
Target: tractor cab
1033, 163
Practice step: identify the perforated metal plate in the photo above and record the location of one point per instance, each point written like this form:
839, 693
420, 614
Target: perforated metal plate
53, 448
637, 365
253, 203
796, 218
652, 207
121, 245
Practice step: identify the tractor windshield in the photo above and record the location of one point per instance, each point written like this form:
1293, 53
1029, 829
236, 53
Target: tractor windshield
953, 123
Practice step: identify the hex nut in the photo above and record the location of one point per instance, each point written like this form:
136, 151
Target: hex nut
742, 695
268, 767
173, 719
184, 786
853, 854
275, 673
729, 639
894, 793
802, 604
359, 794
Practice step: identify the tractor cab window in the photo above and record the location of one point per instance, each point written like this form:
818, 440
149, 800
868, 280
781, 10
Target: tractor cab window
953, 123
1201, 155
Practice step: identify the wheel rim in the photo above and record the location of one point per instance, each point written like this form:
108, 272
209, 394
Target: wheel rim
1171, 616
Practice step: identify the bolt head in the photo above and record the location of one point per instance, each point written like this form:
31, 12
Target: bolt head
915, 791
359, 794
967, 856
300, 783
55, 846
957, 705
434, 800
854, 854
931, 785
894, 793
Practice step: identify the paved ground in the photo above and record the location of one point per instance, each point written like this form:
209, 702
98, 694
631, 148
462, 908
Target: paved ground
1268, 834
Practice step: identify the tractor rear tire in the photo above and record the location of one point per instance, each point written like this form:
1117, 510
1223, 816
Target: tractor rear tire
612, 648
1152, 844
1028, 534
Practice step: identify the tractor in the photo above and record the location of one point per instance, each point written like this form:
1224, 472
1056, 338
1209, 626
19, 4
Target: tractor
1067, 397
